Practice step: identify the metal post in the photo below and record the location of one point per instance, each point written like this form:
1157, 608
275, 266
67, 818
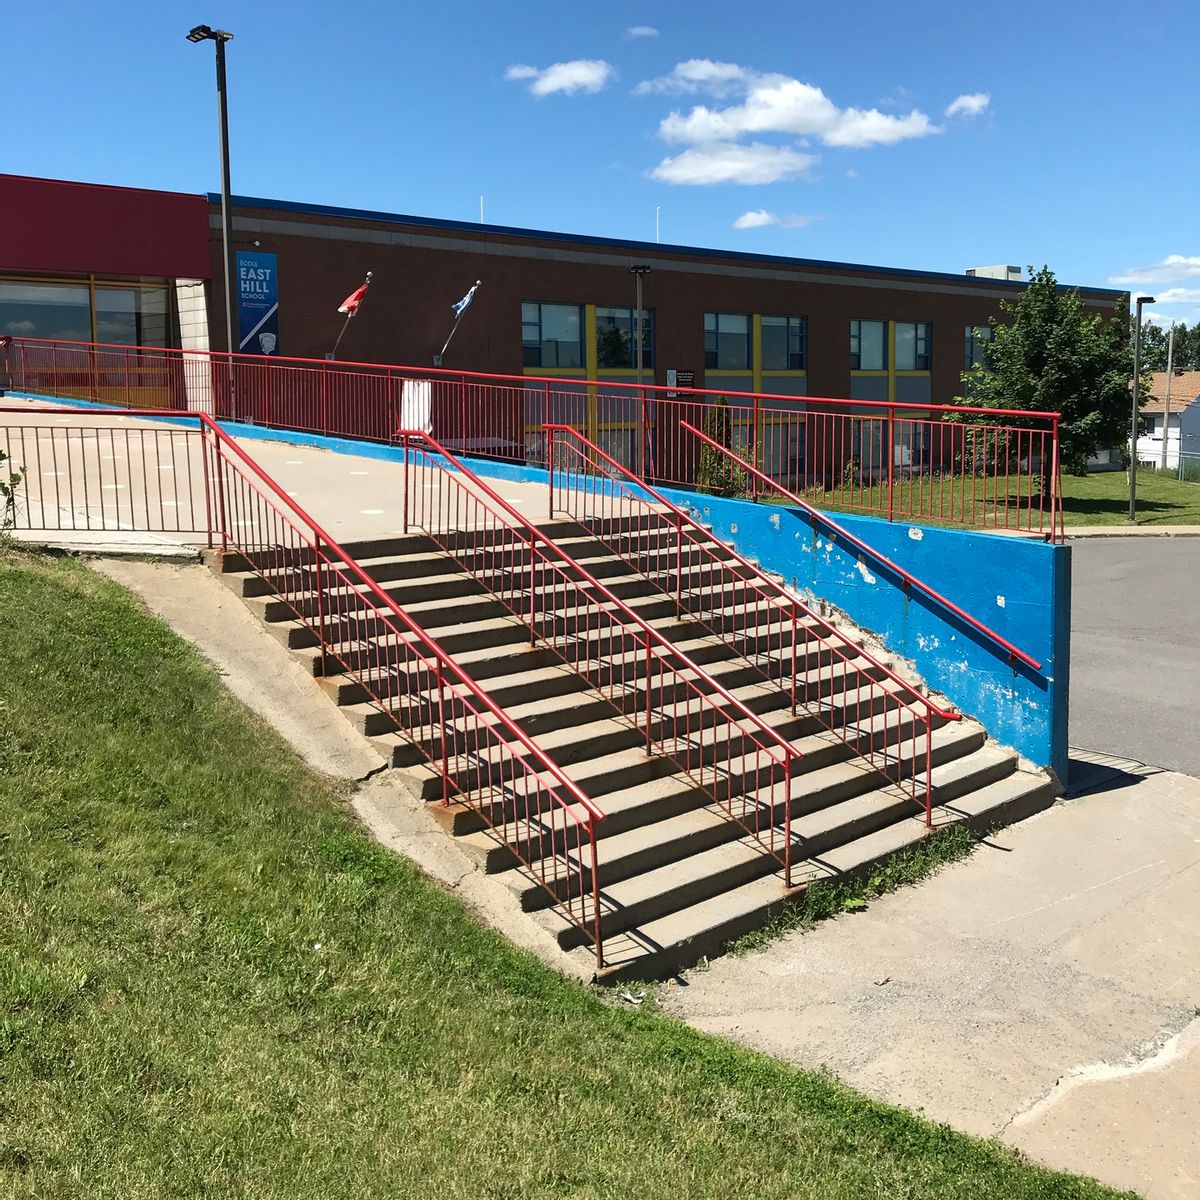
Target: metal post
226, 220
1167, 402
638, 320
891, 453
202, 33
1133, 419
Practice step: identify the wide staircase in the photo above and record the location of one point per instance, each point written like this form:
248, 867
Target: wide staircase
731, 772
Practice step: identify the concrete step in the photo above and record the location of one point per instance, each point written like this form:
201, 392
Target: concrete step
680, 938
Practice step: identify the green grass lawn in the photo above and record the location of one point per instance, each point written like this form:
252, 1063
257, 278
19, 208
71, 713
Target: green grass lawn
1103, 499
213, 983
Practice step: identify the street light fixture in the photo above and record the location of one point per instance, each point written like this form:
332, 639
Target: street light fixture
202, 33
1133, 418
638, 272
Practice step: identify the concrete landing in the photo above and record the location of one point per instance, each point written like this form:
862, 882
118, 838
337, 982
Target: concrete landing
1044, 992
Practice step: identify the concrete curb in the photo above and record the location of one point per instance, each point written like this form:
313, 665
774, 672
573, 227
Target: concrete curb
1117, 531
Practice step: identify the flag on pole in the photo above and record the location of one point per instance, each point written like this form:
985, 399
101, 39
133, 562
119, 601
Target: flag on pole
461, 306
349, 306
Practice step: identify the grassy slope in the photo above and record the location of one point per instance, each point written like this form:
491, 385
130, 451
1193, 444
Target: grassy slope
169, 1026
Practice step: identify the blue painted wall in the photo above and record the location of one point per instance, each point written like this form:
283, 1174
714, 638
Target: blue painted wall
1018, 587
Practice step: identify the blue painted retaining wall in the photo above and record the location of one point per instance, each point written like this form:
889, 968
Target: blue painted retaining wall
1018, 587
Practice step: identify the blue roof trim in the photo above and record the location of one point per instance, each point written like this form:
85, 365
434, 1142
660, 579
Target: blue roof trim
362, 214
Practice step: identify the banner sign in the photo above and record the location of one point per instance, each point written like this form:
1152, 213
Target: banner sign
257, 302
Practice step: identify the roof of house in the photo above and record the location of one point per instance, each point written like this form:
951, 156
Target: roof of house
1185, 391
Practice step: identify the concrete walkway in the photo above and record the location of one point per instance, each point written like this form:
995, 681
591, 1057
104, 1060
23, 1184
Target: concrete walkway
1044, 991
351, 496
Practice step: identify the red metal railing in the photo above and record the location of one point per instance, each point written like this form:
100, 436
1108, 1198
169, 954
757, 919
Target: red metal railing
89, 474
908, 580
741, 763
483, 758
982, 468
880, 716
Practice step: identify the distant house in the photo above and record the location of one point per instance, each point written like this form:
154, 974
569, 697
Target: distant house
1181, 428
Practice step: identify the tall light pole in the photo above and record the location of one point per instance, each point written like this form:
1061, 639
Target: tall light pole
1133, 419
637, 272
202, 33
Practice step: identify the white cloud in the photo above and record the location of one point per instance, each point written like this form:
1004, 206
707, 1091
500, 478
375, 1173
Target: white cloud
640, 31
697, 75
760, 218
857, 128
729, 163
1175, 268
970, 104
1179, 295
774, 104
579, 75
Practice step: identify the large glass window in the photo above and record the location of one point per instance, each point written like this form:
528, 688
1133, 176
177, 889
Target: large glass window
46, 310
616, 337
868, 346
784, 343
551, 334
727, 341
913, 341
976, 340
132, 316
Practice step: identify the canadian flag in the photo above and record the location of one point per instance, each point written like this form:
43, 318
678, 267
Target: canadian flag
349, 306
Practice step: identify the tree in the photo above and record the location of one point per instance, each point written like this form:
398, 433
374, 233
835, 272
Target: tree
718, 474
1154, 347
1051, 354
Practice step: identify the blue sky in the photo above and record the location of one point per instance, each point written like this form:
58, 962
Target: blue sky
927, 135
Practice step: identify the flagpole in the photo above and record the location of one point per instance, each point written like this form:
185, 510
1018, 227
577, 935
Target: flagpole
346, 322
437, 358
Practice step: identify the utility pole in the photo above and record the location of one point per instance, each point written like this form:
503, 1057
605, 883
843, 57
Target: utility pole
1167, 402
637, 272
1133, 418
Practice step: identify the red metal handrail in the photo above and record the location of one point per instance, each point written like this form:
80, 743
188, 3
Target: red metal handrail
832, 639
450, 373
538, 549
292, 552
942, 463
909, 579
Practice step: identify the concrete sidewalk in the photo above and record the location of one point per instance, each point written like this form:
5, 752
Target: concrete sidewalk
1044, 991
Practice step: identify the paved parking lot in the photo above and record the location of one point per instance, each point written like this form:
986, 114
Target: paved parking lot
1135, 649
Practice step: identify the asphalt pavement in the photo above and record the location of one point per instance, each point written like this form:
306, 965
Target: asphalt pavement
1135, 649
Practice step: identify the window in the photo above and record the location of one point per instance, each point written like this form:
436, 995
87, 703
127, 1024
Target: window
616, 337
868, 346
46, 310
784, 343
132, 316
976, 340
912, 345
551, 335
727, 341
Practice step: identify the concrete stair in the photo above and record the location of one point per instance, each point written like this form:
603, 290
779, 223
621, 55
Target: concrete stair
678, 877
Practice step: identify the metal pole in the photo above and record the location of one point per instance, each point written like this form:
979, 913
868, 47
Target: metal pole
226, 229
638, 352
1167, 402
1133, 419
